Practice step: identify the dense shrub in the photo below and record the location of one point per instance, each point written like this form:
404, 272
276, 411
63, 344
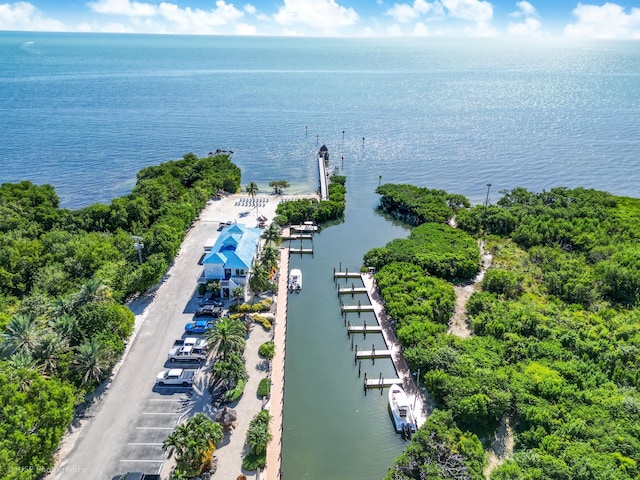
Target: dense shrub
441, 250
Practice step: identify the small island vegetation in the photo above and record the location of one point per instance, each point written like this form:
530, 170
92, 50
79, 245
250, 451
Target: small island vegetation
555, 333
313, 210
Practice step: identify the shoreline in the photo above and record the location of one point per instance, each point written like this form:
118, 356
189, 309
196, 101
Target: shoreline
276, 401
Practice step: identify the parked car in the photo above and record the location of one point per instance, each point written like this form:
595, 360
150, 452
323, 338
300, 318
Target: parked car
187, 353
216, 302
210, 310
191, 341
199, 326
176, 376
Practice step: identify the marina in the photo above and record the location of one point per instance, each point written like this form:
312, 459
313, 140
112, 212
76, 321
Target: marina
417, 413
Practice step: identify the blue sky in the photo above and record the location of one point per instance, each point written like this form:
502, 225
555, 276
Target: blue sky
467, 18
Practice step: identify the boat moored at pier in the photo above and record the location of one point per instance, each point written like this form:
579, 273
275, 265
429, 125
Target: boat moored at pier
401, 411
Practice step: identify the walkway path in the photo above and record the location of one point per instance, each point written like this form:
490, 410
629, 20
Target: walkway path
276, 403
459, 323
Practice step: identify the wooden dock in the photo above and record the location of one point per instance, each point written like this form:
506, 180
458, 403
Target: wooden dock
297, 236
363, 329
352, 290
372, 354
322, 174
356, 308
301, 250
346, 274
380, 382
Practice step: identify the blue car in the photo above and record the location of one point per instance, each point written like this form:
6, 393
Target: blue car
199, 326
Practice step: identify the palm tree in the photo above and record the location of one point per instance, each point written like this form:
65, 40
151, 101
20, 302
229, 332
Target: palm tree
269, 258
228, 336
230, 371
258, 435
64, 325
62, 306
21, 334
91, 361
22, 360
49, 352
194, 443
251, 190
259, 279
237, 292
93, 290
272, 234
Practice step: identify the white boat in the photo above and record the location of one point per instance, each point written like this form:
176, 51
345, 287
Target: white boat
295, 280
401, 411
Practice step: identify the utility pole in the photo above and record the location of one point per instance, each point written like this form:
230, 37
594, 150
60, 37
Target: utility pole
138, 245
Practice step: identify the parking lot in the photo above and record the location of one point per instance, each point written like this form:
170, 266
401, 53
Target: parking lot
124, 428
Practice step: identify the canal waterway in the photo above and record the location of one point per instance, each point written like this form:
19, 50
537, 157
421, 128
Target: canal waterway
331, 429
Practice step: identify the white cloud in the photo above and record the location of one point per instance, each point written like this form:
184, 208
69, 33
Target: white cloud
245, 29
420, 30
123, 7
477, 11
250, 9
171, 18
319, 14
604, 21
481, 29
530, 26
404, 12
25, 16
524, 8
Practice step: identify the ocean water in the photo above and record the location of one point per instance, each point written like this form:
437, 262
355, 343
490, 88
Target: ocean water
86, 112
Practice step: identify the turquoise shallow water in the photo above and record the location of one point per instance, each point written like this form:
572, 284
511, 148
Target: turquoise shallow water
86, 112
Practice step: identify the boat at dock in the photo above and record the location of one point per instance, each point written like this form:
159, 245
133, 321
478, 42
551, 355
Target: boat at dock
306, 227
295, 280
401, 411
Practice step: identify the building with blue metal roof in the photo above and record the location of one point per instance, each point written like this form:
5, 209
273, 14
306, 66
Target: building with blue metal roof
231, 257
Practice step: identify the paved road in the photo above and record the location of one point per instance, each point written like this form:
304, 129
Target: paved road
128, 424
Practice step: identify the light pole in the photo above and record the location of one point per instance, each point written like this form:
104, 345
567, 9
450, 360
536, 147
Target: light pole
138, 245
415, 399
486, 205
379, 179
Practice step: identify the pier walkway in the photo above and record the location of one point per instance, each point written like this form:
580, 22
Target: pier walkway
276, 401
322, 172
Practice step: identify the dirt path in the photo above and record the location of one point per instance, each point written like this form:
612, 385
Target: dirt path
459, 323
501, 447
